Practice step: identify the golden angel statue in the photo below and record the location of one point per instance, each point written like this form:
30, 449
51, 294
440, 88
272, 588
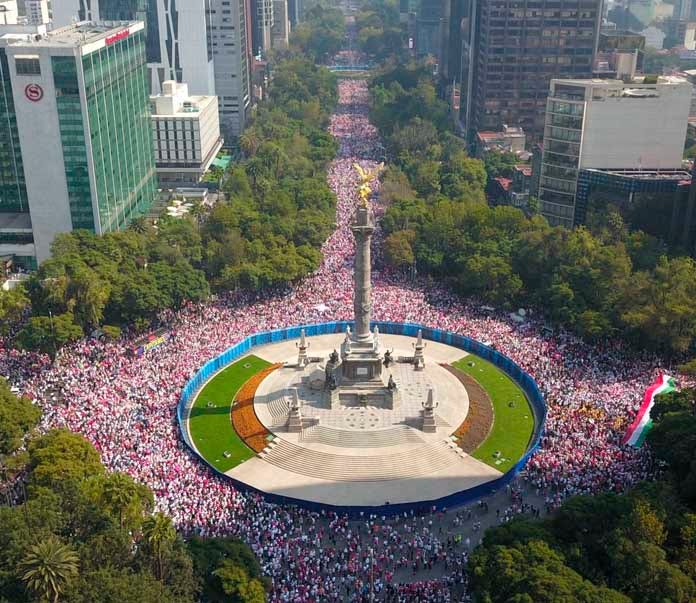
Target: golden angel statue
366, 176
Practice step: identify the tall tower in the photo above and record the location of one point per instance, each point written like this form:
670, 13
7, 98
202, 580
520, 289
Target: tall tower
362, 360
362, 294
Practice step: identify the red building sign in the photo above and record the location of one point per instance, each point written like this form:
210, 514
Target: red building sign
33, 92
117, 37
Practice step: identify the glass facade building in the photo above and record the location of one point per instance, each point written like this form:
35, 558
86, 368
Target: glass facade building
520, 45
118, 112
13, 191
77, 148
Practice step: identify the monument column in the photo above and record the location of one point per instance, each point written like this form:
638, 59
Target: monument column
362, 296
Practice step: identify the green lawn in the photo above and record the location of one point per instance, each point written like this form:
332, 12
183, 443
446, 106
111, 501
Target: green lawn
210, 426
512, 425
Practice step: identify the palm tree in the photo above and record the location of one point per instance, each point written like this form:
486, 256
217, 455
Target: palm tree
139, 225
159, 533
120, 494
48, 567
249, 143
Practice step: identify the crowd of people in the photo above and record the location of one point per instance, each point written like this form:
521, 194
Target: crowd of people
126, 406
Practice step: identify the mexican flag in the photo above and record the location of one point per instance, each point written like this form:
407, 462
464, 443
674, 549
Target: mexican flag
635, 436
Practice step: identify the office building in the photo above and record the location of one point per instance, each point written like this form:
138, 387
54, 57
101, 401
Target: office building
37, 12
201, 43
430, 28
618, 51
72, 156
512, 52
294, 12
262, 21
186, 134
8, 12
231, 47
67, 12
636, 124
280, 31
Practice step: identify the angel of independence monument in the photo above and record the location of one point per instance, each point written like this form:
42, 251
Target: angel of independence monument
360, 374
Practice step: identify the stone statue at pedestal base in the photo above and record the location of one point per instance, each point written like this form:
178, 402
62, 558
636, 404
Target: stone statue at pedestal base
302, 346
429, 407
418, 357
295, 416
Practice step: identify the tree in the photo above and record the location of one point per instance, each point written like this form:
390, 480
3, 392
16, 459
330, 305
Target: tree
236, 583
13, 305
119, 585
398, 248
17, 417
208, 554
61, 457
499, 163
48, 568
122, 497
159, 534
660, 307
531, 573
48, 334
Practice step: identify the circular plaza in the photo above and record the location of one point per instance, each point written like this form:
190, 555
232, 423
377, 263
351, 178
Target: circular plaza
441, 432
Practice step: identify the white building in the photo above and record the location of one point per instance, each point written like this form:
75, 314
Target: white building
231, 46
654, 37
8, 12
186, 134
71, 156
200, 43
638, 124
37, 12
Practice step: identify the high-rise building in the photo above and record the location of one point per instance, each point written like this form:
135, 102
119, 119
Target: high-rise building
37, 12
294, 12
203, 43
636, 125
262, 17
78, 145
231, 47
66, 12
185, 132
517, 48
8, 12
430, 24
280, 32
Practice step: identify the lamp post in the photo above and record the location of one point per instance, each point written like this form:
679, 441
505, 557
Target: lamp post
53, 335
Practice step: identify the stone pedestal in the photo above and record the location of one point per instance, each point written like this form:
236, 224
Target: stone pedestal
429, 407
332, 399
295, 416
302, 346
393, 399
418, 356
295, 421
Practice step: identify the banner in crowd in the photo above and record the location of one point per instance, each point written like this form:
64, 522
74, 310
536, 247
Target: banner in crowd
635, 436
150, 342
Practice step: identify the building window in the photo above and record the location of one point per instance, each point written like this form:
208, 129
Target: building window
28, 66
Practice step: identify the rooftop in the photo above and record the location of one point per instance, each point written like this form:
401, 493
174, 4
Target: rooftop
662, 80
646, 174
84, 33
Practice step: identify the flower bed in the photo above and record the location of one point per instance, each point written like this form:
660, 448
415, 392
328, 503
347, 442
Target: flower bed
479, 420
244, 419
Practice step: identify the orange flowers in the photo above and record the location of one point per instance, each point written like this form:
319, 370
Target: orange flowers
479, 420
244, 419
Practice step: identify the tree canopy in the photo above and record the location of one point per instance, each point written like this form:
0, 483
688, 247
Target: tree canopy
82, 535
